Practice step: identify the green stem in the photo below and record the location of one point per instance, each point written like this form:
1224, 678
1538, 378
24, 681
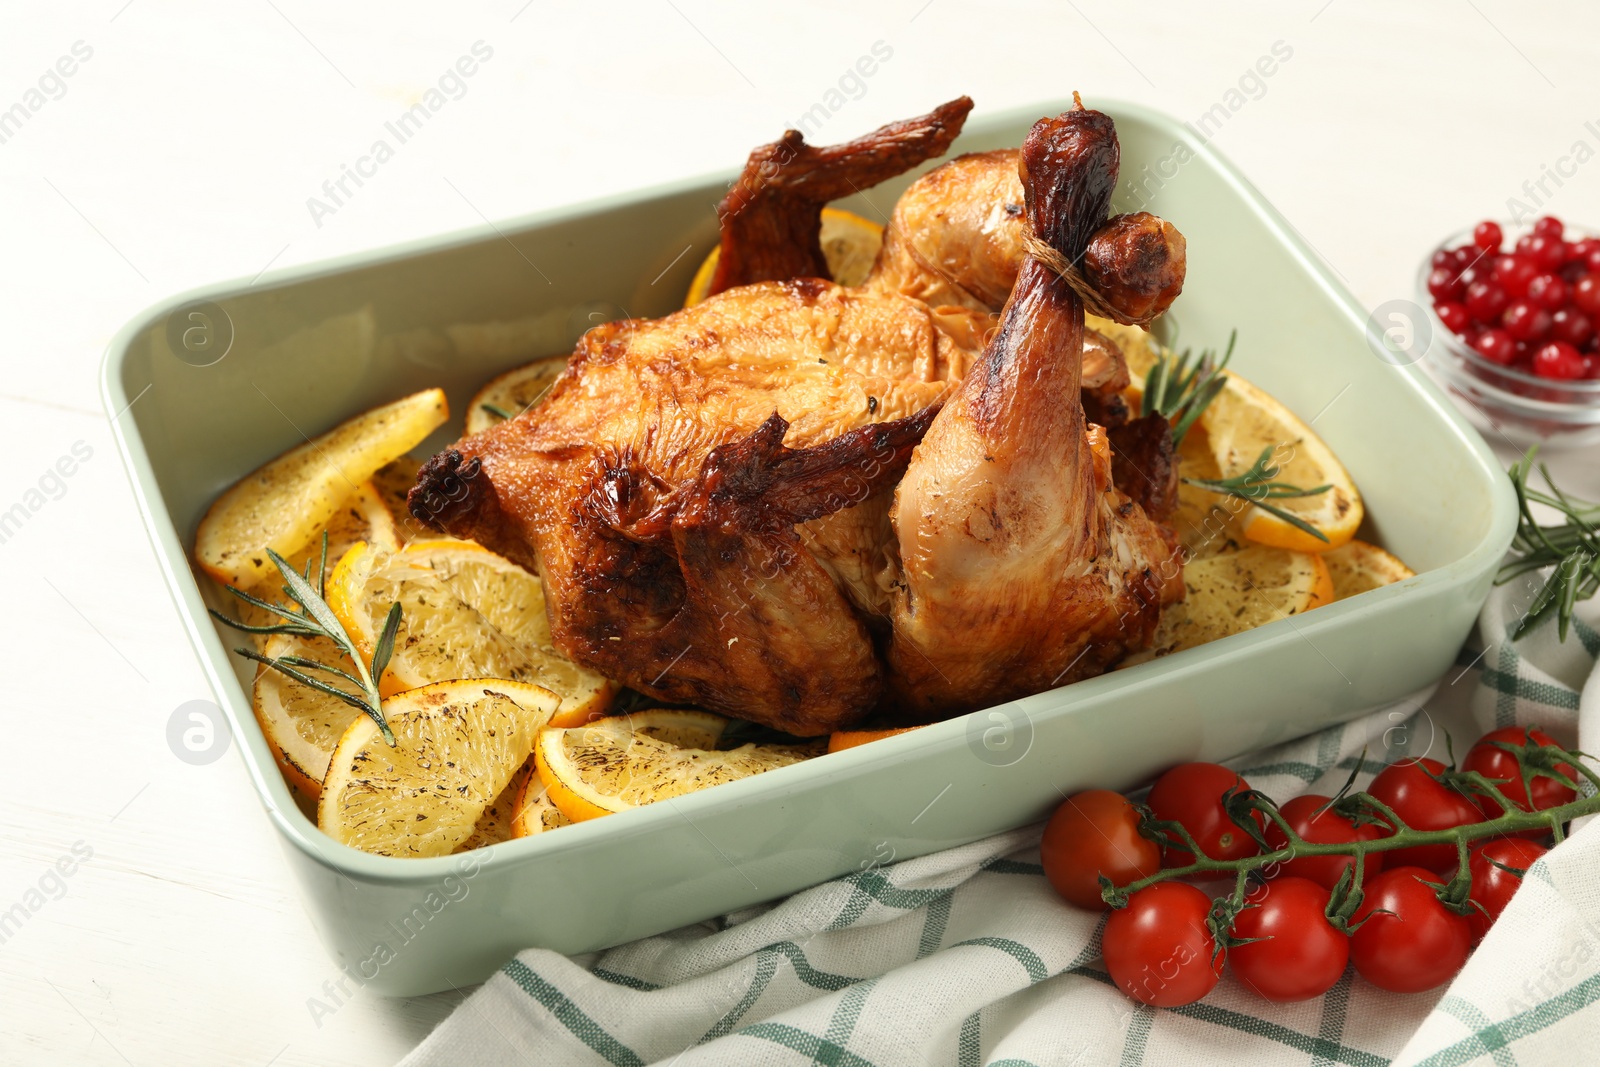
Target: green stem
1511, 821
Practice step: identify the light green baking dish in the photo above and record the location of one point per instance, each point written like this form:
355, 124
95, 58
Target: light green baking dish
325, 341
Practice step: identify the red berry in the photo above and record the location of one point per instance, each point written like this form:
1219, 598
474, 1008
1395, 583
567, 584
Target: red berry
1455, 316
1548, 291
1586, 294
1465, 256
1514, 272
1584, 248
1591, 262
1570, 325
1525, 320
1558, 360
1487, 236
1444, 284
1548, 252
1444, 257
1549, 226
1498, 346
1486, 301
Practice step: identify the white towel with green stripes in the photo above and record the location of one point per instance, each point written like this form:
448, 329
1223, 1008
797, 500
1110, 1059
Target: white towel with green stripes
967, 957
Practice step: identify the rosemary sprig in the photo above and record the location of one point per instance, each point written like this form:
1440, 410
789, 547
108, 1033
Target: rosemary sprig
314, 618
1180, 392
1570, 548
1256, 486
497, 412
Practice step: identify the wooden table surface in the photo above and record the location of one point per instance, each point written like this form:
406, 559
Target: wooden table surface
184, 147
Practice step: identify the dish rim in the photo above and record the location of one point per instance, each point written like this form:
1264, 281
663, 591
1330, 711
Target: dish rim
215, 658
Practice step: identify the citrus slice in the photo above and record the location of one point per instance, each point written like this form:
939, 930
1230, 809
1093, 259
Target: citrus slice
302, 725
534, 812
393, 481
840, 740
363, 517
850, 244
512, 393
1358, 567
1240, 423
458, 745
625, 761
1232, 592
497, 823
1207, 523
465, 613
284, 504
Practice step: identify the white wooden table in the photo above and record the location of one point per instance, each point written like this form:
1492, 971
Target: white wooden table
183, 148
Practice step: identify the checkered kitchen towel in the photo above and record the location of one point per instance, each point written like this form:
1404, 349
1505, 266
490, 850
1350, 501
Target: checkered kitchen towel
967, 957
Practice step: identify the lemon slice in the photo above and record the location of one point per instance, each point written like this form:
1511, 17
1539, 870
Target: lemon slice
302, 725
393, 481
458, 745
1358, 567
1241, 422
466, 613
534, 811
624, 761
284, 504
850, 244
363, 517
512, 393
498, 821
1232, 592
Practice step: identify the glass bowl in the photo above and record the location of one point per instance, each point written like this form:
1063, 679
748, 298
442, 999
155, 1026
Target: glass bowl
1507, 403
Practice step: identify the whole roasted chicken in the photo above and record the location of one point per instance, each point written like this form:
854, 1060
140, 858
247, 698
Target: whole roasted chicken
799, 503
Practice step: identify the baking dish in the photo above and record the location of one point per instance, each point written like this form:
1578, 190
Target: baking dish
328, 340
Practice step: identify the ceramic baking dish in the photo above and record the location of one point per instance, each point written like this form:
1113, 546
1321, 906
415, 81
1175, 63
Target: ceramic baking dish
326, 341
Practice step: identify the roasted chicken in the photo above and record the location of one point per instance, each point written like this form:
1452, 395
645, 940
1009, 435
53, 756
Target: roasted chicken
799, 503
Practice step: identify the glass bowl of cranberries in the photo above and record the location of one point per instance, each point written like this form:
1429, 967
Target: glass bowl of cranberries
1516, 316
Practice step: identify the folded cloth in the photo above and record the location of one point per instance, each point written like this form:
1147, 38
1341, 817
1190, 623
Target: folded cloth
967, 957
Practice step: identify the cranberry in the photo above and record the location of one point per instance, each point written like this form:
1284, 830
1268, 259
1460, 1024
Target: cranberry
1591, 262
1548, 291
1572, 326
1586, 294
1443, 285
1464, 256
1498, 346
1514, 272
1486, 301
1558, 360
1584, 248
1487, 236
1524, 320
1549, 226
1453, 315
1572, 270
1548, 252
1445, 257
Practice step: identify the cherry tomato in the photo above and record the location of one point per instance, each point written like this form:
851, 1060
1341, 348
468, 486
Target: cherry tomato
1420, 945
1191, 794
1093, 833
1500, 766
1327, 828
1159, 950
1424, 804
1492, 886
1300, 954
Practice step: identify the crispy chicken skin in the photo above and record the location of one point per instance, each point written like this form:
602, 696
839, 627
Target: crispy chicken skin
797, 503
